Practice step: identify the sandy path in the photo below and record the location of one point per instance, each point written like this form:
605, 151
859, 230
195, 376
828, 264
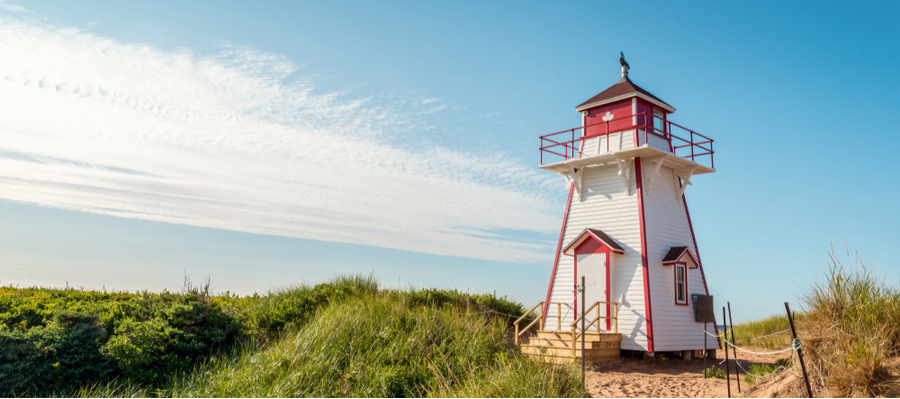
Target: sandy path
674, 378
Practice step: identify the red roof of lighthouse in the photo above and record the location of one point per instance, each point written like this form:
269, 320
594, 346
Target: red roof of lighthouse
624, 88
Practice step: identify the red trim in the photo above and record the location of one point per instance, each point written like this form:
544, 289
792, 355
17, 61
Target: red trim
644, 260
686, 288
562, 233
575, 247
697, 250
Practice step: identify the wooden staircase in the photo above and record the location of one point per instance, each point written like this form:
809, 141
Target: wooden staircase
599, 347
564, 344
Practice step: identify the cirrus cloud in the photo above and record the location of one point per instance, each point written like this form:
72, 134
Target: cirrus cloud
235, 141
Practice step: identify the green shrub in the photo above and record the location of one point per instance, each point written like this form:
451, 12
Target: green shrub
65, 353
58, 340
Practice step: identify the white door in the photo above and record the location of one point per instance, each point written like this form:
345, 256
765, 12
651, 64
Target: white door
593, 268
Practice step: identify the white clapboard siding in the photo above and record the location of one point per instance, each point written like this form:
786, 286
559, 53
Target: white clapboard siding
666, 221
617, 142
604, 204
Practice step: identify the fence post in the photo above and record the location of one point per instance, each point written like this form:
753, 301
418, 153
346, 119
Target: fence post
725, 346
737, 374
799, 350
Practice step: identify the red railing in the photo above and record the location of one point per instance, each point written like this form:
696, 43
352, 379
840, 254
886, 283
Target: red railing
564, 144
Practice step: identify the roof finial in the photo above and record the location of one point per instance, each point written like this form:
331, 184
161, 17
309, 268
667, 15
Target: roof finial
624, 63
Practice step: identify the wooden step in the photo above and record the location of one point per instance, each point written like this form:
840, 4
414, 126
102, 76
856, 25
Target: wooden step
588, 336
559, 343
592, 355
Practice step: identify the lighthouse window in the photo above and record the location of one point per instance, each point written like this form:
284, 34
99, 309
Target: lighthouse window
680, 284
658, 122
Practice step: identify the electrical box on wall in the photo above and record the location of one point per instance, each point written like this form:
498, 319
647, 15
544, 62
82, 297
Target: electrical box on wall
703, 308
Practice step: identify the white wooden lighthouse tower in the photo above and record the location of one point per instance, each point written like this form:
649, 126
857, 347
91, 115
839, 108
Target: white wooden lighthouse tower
627, 228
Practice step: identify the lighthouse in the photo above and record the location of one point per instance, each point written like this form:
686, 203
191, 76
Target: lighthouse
626, 230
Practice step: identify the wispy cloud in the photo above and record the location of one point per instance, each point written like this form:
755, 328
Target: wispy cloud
11, 7
235, 141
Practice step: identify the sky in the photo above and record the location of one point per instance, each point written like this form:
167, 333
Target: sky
265, 145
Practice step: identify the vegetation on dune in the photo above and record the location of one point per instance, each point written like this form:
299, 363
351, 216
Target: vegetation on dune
771, 333
850, 334
57, 340
385, 345
851, 331
342, 338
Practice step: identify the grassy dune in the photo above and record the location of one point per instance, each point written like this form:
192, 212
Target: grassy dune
850, 331
386, 345
347, 337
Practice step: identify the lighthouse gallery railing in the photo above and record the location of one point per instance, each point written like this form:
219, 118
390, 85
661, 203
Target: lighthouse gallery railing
565, 144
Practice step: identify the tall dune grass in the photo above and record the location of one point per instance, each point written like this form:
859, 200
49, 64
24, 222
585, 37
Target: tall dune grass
381, 346
771, 333
375, 343
851, 331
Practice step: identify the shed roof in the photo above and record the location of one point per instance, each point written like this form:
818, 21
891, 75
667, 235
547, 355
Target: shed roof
596, 234
676, 253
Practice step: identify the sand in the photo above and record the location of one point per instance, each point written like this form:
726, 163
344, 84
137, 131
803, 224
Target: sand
676, 378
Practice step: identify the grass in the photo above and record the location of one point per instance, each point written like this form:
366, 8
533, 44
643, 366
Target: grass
762, 371
851, 331
384, 343
771, 333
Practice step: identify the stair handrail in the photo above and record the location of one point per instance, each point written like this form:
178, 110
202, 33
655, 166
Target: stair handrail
540, 318
596, 305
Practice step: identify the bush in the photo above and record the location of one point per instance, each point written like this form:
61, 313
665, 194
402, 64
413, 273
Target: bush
65, 353
54, 341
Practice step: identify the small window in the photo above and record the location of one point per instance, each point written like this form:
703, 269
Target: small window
658, 124
680, 284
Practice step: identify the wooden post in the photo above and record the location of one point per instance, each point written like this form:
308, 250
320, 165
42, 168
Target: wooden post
582, 330
799, 351
737, 374
559, 315
724, 336
616, 320
543, 310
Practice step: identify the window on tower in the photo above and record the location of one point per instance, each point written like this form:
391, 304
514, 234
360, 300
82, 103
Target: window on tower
658, 125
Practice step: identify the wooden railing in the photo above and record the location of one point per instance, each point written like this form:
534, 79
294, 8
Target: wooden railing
614, 316
540, 317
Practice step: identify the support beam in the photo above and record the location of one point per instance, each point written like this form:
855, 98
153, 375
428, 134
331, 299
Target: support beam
685, 176
573, 177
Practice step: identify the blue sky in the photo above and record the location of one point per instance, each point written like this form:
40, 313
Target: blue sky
273, 144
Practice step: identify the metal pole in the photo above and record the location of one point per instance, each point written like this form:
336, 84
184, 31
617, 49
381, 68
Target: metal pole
582, 330
737, 374
725, 336
799, 351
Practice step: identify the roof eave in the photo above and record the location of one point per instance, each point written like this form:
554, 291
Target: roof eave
640, 95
